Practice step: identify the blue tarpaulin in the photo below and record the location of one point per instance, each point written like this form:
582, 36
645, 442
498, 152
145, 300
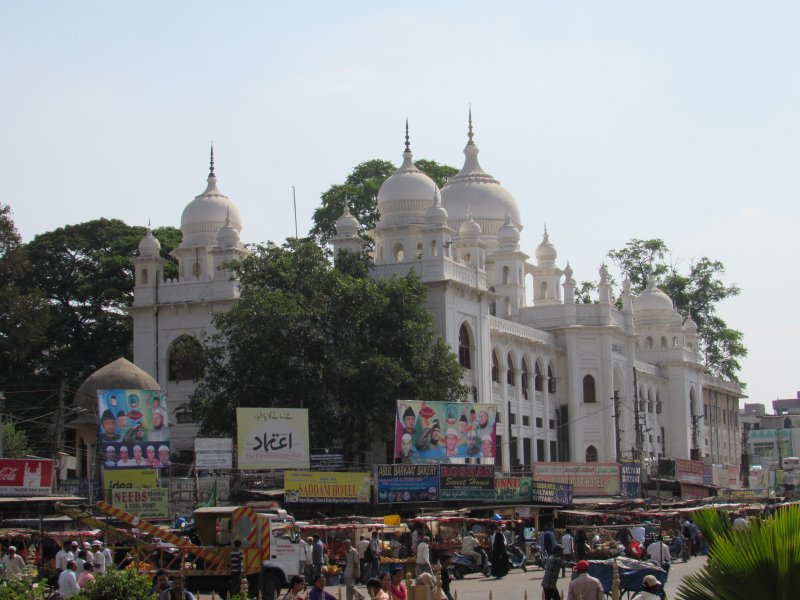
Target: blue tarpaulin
631, 573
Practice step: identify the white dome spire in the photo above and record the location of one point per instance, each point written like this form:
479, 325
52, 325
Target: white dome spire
546, 253
436, 214
149, 246
347, 224
228, 235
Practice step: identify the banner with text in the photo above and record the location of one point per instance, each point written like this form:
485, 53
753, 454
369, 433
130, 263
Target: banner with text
466, 482
26, 477
213, 453
689, 471
512, 489
327, 459
549, 492
134, 431
147, 503
408, 483
272, 438
129, 478
631, 474
326, 487
444, 431
691, 491
587, 479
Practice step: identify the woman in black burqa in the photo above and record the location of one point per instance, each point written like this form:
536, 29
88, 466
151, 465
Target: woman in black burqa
499, 555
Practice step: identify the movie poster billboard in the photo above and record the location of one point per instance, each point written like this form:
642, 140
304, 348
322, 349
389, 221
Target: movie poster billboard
587, 479
408, 483
444, 432
326, 487
26, 477
213, 453
466, 482
134, 431
272, 438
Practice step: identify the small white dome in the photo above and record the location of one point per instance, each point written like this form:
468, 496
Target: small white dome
436, 214
470, 230
347, 224
690, 325
404, 198
508, 235
545, 252
228, 235
474, 191
568, 272
149, 246
653, 299
204, 216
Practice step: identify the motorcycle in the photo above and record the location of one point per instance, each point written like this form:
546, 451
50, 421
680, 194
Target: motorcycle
516, 558
536, 556
464, 565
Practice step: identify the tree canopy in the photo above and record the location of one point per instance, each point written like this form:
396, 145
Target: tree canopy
360, 191
306, 334
696, 293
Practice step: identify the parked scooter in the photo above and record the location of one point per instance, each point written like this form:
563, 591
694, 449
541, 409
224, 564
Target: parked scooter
464, 565
516, 557
536, 556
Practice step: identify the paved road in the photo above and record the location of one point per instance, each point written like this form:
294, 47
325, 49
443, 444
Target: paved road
516, 583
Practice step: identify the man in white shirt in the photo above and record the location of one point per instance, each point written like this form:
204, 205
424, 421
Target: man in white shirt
468, 544
740, 523
98, 560
658, 552
638, 534
67, 582
109, 558
361, 547
14, 564
62, 556
566, 552
423, 556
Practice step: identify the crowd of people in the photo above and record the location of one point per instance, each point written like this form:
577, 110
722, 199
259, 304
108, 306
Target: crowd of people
79, 566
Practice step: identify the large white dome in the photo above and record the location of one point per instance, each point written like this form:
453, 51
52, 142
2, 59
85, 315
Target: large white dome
474, 191
204, 216
653, 300
405, 197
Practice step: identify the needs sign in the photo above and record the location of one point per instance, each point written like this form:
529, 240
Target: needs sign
148, 503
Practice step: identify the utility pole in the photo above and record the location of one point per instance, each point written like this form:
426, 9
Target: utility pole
637, 423
59, 418
2, 408
616, 425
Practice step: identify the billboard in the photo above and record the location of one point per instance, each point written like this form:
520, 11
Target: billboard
326, 487
327, 459
408, 483
134, 431
550, 492
26, 477
272, 438
213, 453
114, 478
631, 474
147, 503
466, 482
444, 432
689, 471
513, 489
587, 479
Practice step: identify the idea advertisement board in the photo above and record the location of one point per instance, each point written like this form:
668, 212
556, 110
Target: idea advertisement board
272, 438
26, 477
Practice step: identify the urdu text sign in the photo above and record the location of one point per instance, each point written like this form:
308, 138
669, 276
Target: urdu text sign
272, 438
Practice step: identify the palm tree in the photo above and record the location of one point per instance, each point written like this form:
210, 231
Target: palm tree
762, 561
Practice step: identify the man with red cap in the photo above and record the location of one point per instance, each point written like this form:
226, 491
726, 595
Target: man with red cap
584, 586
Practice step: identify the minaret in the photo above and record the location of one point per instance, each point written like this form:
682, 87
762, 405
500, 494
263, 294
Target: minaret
346, 237
148, 270
436, 236
546, 275
509, 269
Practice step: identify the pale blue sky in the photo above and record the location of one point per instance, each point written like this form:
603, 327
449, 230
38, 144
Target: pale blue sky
606, 120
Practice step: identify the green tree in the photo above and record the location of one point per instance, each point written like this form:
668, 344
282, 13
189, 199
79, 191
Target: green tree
696, 294
360, 191
115, 584
306, 334
760, 561
14, 440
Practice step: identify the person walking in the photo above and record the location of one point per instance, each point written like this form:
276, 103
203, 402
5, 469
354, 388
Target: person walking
552, 566
424, 556
659, 553
375, 548
14, 564
584, 586
317, 555
567, 545
236, 567
499, 557
309, 566
352, 571
361, 546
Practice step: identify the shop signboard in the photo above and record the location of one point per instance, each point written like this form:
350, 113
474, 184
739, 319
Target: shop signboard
213, 453
587, 479
326, 487
408, 483
466, 482
272, 438
689, 471
690, 491
147, 503
550, 492
129, 478
327, 459
631, 475
512, 489
26, 477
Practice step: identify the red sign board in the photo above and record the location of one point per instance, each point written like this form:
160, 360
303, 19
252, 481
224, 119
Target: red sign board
689, 471
25, 477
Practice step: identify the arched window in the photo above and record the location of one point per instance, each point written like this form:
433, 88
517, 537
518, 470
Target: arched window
648, 343
551, 380
543, 292
464, 357
468, 258
589, 390
674, 341
419, 250
508, 307
525, 375
493, 304
185, 358
144, 277
591, 454
505, 276
538, 384
650, 401
658, 404
434, 249
495, 368
663, 341
510, 372
398, 252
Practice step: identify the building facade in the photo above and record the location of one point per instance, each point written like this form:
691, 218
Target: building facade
574, 382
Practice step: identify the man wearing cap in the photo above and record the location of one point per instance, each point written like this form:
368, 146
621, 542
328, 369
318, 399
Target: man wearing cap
111, 457
428, 441
650, 589
124, 461
108, 423
97, 558
584, 586
451, 449
65, 554
409, 421
14, 564
108, 556
159, 432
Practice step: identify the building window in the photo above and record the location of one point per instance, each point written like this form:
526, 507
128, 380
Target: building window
526, 420
495, 369
505, 276
591, 454
539, 422
144, 276
589, 390
464, 358
525, 376
185, 359
552, 423
648, 343
398, 252
540, 450
537, 378
551, 381
510, 373
658, 406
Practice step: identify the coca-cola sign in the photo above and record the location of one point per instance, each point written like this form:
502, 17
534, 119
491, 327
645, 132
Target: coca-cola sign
25, 477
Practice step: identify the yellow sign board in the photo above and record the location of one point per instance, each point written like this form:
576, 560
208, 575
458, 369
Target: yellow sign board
326, 486
148, 503
129, 478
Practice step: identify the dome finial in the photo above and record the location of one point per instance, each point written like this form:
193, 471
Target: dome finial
408, 144
470, 134
211, 169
